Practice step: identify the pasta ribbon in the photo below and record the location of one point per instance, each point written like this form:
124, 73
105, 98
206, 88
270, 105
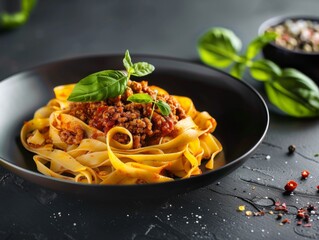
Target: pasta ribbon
67, 148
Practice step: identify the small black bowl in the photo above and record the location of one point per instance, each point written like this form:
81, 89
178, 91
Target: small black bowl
306, 62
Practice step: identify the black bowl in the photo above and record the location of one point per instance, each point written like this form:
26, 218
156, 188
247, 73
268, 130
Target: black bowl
241, 113
308, 63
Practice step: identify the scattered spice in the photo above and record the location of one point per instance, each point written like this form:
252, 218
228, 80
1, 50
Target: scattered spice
303, 215
241, 208
260, 213
306, 218
305, 174
281, 207
307, 225
249, 213
311, 207
279, 216
286, 220
291, 149
291, 185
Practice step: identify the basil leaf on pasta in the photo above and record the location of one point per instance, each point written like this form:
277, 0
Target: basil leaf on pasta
142, 69
163, 107
127, 61
99, 86
108, 83
140, 98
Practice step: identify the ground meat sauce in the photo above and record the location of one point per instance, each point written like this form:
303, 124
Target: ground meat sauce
133, 116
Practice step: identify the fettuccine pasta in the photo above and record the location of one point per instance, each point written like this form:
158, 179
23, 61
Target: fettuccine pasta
95, 143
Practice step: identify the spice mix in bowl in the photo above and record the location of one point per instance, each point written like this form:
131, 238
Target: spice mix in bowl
296, 45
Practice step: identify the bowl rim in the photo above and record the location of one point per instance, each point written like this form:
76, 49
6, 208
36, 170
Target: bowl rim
276, 20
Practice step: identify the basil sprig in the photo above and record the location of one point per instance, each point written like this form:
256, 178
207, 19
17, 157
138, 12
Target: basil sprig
108, 83
145, 98
288, 89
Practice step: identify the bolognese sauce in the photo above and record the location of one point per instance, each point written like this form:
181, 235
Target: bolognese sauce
146, 124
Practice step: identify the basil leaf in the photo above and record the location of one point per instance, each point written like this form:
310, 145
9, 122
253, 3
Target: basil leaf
264, 70
139, 69
238, 70
127, 61
218, 47
294, 93
295, 79
13, 20
140, 98
99, 86
163, 107
142, 69
258, 43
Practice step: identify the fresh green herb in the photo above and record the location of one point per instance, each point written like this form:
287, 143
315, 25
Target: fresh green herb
108, 83
145, 98
219, 47
13, 20
99, 86
288, 89
163, 107
139, 69
140, 98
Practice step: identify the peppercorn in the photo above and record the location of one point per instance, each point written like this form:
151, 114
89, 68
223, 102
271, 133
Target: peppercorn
291, 185
248, 213
307, 218
291, 149
286, 220
310, 208
260, 213
279, 216
300, 215
305, 174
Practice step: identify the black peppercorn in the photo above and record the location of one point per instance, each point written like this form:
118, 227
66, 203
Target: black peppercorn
291, 149
279, 216
310, 207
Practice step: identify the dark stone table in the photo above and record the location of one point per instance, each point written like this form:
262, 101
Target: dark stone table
64, 29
